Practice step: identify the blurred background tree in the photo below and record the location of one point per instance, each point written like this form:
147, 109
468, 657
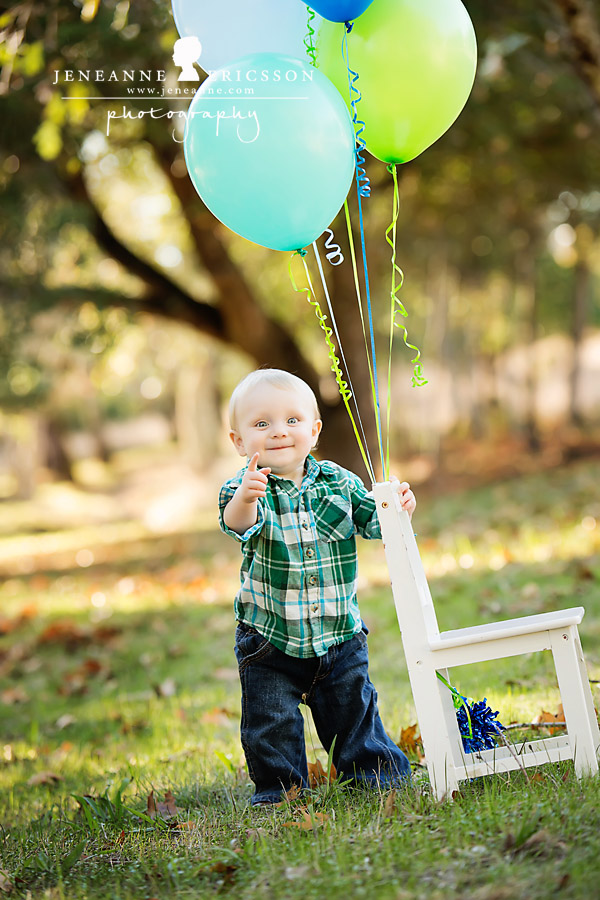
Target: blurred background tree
122, 296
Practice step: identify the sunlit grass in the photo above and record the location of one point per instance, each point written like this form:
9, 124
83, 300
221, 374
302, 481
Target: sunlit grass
158, 708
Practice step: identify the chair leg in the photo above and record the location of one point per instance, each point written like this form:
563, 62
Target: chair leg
574, 686
432, 713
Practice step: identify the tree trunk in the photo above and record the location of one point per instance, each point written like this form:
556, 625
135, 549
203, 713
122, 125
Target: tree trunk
580, 305
526, 276
584, 31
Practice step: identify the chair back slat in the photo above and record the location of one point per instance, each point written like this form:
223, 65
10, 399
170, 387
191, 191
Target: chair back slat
414, 604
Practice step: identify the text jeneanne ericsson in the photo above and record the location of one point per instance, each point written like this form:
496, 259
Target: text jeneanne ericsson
248, 127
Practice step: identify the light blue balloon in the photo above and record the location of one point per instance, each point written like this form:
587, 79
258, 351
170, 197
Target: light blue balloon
229, 29
269, 147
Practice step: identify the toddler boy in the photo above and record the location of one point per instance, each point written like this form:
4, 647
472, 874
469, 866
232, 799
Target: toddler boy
300, 636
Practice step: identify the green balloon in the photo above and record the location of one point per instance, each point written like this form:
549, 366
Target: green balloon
416, 63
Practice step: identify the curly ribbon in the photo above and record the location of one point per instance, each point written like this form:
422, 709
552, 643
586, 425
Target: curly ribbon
335, 256
363, 187
362, 180
345, 391
311, 50
359, 300
458, 701
397, 309
370, 469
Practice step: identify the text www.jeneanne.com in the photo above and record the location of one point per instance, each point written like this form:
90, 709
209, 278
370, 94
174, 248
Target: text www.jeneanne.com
164, 91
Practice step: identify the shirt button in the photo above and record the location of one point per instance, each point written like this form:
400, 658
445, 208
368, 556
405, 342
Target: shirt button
315, 608
305, 525
310, 552
312, 579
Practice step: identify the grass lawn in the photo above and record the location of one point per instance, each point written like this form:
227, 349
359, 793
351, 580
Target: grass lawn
121, 771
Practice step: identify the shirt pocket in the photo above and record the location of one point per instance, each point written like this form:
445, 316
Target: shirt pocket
333, 518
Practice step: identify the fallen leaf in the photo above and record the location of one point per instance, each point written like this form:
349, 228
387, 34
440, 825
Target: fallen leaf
75, 681
389, 806
44, 778
410, 739
217, 716
8, 625
66, 632
166, 689
292, 873
549, 719
290, 795
317, 774
64, 721
29, 611
542, 843
226, 674
166, 810
308, 822
227, 870
104, 634
10, 696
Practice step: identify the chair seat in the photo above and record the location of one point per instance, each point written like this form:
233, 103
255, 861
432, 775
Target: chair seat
478, 634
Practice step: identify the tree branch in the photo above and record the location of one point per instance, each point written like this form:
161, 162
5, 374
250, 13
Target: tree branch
584, 30
163, 296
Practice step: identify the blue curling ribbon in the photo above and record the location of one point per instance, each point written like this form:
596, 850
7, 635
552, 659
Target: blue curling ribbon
362, 181
335, 256
482, 727
477, 724
363, 187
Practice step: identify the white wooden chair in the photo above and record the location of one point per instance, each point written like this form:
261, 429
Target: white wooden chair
429, 651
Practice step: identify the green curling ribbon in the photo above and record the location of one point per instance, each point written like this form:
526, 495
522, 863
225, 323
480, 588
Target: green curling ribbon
397, 308
311, 50
345, 392
362, 318
458, 701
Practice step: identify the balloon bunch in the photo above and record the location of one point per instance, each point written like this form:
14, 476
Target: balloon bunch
294, 95
269, 144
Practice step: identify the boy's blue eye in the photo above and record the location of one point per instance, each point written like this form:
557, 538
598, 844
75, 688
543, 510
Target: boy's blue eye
261, 424
292, 420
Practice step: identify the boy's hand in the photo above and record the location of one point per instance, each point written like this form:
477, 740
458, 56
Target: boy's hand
254, 482
407, 498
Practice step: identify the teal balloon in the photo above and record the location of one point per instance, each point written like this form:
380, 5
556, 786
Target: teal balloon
269, 146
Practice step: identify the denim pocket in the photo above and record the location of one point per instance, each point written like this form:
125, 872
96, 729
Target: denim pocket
250, 645
333, 517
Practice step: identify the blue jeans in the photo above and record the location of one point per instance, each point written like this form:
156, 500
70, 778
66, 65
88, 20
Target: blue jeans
343, 702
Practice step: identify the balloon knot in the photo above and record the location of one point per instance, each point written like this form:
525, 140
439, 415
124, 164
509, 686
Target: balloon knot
391, 167
349, 26
300, 252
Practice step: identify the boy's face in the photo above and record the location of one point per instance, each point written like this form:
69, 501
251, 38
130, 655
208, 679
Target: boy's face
280, 425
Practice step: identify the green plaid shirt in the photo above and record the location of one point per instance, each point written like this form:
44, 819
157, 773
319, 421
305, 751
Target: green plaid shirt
298, 574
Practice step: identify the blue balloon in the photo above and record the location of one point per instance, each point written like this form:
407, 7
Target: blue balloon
229, 29
269, 147
340, 10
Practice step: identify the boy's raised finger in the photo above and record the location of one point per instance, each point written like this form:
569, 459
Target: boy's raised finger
253, 463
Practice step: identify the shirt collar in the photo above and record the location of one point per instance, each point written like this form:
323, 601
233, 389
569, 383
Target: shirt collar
313, 468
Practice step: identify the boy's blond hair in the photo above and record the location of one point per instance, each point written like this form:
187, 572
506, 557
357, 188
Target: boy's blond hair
276, 377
